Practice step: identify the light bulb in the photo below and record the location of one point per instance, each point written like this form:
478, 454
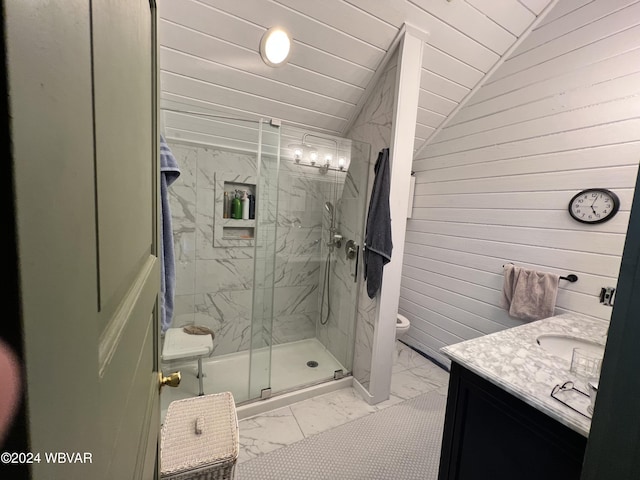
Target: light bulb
313, 156
341, 162
297, 154
327, 159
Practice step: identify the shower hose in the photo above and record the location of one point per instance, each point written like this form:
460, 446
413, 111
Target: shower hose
327, 271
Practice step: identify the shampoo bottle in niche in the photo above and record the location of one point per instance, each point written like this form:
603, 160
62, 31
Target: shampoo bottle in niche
230, 205
225, 206
245, 205
252, 207
236, 208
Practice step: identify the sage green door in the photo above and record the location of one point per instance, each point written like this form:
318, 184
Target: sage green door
82, 88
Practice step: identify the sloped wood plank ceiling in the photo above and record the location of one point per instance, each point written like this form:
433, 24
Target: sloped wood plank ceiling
209, 57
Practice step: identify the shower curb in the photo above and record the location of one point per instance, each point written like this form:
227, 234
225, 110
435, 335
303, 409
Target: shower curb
262, 406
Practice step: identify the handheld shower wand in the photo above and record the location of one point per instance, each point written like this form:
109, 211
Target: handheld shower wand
328, 206
335, 239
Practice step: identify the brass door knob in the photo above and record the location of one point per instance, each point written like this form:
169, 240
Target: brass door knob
172, 380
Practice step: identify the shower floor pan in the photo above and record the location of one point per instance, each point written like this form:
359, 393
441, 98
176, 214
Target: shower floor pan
229, 373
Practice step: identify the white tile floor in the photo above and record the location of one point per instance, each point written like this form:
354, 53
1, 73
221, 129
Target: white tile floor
412, 375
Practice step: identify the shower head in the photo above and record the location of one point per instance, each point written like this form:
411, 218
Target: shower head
328, 206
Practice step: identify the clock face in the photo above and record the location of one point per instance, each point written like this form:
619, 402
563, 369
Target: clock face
594, 205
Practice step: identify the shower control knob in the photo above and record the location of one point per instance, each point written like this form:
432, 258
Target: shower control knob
350, 249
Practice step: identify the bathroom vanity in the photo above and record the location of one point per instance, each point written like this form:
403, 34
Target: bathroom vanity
501, 420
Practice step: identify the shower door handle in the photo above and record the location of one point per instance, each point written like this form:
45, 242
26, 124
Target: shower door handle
352, 250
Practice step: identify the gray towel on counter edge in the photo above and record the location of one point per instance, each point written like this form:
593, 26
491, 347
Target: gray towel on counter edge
378, 243
169, 172
528, 294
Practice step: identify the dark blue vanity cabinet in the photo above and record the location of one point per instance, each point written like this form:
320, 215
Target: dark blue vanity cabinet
490, 434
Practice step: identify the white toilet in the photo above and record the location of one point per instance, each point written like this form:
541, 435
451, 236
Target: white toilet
402, 326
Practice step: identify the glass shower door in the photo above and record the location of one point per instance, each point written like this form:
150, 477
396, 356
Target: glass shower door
266, 212
322, 192
339, 289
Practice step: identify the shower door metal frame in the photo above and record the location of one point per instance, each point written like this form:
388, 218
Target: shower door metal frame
263, 290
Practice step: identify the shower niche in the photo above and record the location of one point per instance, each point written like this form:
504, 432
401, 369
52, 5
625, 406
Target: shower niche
232, 232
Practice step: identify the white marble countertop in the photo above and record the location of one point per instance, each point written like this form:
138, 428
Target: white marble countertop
512, 360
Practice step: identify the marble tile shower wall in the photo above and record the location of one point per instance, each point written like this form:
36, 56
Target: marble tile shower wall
298, 246
214, 285
373, 126
338, 332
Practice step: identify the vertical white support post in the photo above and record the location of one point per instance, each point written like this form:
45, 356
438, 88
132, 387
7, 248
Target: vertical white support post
401, 154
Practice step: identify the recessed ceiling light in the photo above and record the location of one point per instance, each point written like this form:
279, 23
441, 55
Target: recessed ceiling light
275, 47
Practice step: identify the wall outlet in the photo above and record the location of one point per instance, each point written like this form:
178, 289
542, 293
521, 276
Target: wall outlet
607, 295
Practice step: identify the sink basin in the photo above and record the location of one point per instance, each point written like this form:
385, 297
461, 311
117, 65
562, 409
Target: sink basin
563, 345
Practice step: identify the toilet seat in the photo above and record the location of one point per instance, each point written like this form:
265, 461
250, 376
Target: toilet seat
402, 326
401, 321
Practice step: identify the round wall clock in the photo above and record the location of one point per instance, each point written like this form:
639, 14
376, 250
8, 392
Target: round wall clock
594, 205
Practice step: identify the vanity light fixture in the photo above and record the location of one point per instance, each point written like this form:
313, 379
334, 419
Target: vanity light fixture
275, 47
309, 155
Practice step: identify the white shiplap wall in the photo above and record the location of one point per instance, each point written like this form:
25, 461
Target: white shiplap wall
561, 114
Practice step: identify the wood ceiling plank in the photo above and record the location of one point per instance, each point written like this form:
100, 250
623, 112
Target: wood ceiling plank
512, 16
204, 46
429, 118
442, 86
303, 29
450, 67
345, 17
188, 87
458, 14
215, 73
536, 6
474, 24
247, 36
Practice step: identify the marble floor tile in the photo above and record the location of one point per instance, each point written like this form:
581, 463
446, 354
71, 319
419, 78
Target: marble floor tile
405, 358
443, 390
327, 411
413, 374
407, 384
432, 373
267, 432
392, 400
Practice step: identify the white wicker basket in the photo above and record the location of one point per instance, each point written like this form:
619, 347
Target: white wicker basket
200, 439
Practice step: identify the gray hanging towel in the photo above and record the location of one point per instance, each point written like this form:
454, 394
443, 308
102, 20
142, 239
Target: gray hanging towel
378, 244
169, 172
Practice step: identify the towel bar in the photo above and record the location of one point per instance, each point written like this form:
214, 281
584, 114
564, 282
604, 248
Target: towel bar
570, 278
